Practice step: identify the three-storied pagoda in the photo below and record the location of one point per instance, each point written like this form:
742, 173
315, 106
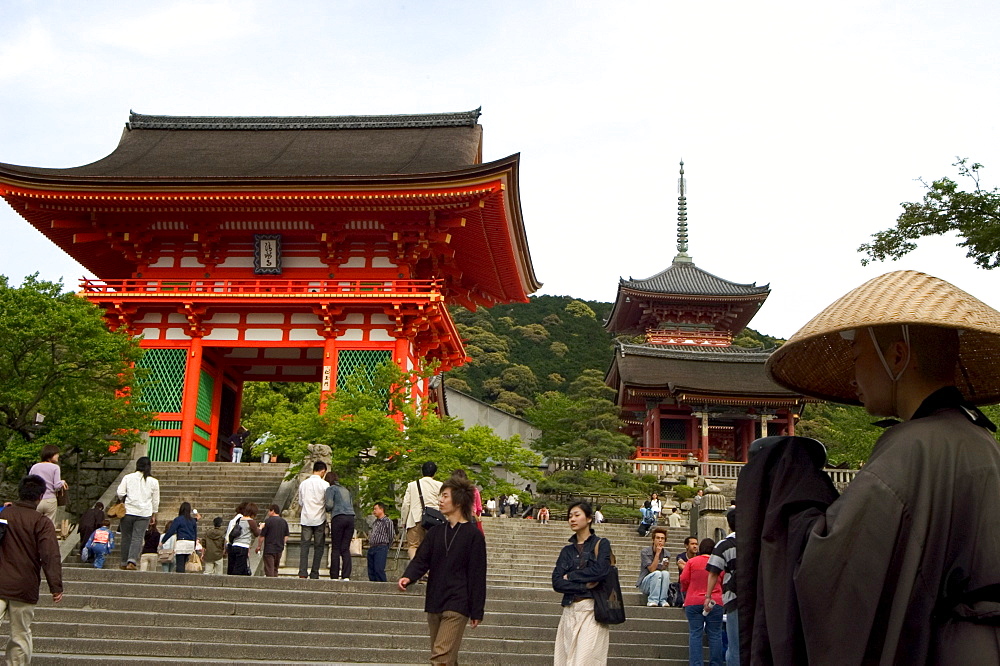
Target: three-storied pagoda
282, 249
686, 389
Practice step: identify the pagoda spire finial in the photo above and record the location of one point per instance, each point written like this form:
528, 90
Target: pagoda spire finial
682, 226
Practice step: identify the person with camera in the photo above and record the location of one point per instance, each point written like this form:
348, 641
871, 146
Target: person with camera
420, 494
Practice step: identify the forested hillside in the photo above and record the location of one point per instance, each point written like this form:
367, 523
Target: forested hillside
522, 350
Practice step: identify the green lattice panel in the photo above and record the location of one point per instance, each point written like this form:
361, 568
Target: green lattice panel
206, 386
166, 425
166, 375
199, 453
349, 360
164, 449
198, 430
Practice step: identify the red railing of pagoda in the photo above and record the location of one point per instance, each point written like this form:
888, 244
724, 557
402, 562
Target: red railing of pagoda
272, 287
701, 338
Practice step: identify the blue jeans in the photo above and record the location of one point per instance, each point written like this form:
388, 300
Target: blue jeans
733, 633
377, 556
655, 586
697, 625
98, 552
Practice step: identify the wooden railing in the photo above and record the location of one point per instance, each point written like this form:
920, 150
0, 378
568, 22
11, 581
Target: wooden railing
722, 471
270, 287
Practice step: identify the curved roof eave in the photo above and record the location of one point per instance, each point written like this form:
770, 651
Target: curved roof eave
66, 179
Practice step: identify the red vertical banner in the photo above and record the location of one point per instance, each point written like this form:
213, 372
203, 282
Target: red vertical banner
328, 380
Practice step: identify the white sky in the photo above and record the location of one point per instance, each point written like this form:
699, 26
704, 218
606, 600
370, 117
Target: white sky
802, 125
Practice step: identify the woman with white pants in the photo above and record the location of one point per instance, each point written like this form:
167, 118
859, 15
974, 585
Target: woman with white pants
586, 561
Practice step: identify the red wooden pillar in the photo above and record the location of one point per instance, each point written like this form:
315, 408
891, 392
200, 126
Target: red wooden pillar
238, 408
329, 383
189, 407
655, 444
791, 422
213, 442
400, 354
704, 437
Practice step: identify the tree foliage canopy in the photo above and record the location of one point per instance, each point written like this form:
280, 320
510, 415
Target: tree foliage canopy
581, 424
847, 431
370, 450
59, 359
973, 214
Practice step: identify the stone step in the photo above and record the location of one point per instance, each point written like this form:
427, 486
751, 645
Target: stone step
153, 617
170, 616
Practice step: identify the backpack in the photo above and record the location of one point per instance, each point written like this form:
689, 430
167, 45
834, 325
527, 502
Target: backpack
236, 532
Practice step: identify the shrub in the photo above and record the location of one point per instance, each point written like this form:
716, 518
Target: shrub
684, 492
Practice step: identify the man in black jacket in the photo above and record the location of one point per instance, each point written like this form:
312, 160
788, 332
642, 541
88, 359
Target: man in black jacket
455, 557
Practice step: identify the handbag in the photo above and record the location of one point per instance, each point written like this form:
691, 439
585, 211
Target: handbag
431, 516
608, 605
356, 547
62, 497
117, 510
194, 564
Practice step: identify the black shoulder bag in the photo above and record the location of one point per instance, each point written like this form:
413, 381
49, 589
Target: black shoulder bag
608, 605
430, 517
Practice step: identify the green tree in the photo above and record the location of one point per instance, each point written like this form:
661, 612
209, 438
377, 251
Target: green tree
974, 214
580, 309
379, 436
847, 432
582, 426
58, 359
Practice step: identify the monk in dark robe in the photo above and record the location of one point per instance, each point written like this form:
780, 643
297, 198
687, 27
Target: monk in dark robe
903, 567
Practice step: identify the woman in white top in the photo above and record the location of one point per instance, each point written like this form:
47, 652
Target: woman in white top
142, 500
655, 504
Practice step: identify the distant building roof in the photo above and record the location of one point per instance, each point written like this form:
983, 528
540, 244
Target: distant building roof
726, 371
687, 279
683, 287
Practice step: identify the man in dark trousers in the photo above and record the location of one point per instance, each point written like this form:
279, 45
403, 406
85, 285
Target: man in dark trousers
273, 537
28, 545
379, 538
454, 554
903, 567
723, 563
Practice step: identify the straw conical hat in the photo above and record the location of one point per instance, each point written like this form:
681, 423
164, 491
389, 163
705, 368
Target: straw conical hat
817, 360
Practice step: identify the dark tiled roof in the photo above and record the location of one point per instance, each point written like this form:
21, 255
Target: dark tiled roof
686, 278
185, 149
726, 371
460, 119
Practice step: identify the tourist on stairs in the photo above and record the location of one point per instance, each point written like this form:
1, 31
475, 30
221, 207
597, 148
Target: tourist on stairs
338, 502
582, 564
239, 539
454, 555
185, 527
701, 620
142, 500
654, 569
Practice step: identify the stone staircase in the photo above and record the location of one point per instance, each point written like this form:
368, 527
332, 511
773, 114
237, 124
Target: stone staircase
214, 489
119, 617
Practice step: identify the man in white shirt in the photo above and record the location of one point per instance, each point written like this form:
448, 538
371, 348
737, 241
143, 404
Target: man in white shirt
412, 510
674, 519
312, 520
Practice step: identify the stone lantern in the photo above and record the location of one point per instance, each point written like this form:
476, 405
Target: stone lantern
712, 515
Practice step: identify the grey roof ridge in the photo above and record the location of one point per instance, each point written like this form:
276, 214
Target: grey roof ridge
636, 283
138, 121
735, 354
